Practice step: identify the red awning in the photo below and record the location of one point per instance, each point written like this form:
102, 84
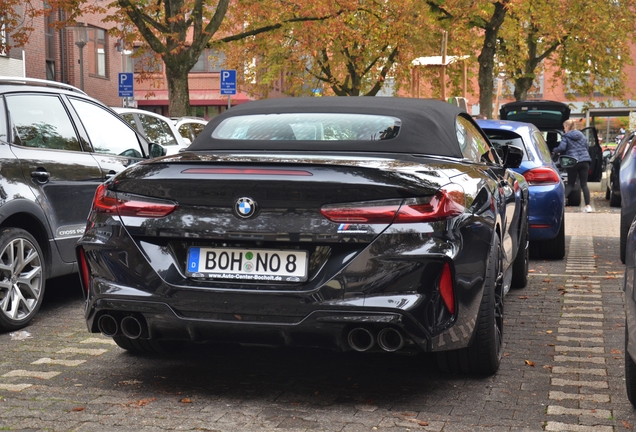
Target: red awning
197, 97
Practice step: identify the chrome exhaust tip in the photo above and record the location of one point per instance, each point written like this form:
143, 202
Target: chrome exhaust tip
131, 327
107, 324
390, 339
361, 339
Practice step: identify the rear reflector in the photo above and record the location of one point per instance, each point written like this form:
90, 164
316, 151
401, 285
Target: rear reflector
127, 205
447, 203
446, 288
542, 176
246, 171
84, 271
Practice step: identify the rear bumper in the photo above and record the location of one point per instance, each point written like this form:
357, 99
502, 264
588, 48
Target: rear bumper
343, 330
377, 325
545, 211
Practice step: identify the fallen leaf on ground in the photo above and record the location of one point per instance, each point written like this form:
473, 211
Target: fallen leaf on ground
530, 363
186, 400
76, 409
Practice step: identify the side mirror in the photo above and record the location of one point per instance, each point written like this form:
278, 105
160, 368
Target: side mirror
567, 161
607, 153
512, 156
157, 150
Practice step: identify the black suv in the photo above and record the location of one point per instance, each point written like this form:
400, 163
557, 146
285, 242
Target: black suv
549, 116
56, 146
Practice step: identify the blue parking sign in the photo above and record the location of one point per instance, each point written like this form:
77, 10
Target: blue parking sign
228, 82
126, 84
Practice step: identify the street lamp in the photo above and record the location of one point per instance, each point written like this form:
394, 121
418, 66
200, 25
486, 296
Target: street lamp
80, 35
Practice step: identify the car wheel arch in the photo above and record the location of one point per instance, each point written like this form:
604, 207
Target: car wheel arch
30, 218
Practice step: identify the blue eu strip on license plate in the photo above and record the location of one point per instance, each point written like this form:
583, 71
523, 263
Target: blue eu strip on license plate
193, 260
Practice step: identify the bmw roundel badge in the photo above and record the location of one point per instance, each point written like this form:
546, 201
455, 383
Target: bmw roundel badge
245, 207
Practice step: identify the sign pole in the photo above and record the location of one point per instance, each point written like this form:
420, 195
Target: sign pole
228, 102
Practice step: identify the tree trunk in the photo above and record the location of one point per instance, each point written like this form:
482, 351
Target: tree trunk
487, 59
178, 92
522, 86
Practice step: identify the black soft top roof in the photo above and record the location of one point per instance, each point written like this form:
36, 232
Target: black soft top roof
427, 126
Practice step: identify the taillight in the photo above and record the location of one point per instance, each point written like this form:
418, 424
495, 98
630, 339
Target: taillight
84, 272
446, 288
541, 176
447, 203
368, 212
111, 202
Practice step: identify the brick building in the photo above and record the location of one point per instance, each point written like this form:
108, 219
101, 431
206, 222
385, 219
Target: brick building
54, 55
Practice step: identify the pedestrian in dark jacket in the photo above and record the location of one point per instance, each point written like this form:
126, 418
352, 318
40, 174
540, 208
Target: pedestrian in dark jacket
574, 144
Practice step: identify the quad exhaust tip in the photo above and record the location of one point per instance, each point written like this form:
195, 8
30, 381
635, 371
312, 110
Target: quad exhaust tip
361, 339
390, 339
107, 324
129, 326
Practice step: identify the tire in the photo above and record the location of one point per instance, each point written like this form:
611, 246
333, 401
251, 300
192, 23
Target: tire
574, 199
554, 249
624, 231
146, 346
520, 265
614, 200
483, 355
22, 278
630, 373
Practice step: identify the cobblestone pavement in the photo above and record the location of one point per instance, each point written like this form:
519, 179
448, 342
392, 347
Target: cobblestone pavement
562, 368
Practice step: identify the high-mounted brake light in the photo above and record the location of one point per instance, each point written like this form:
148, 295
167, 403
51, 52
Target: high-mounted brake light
541, 176
447, 203
247, 171
126, 205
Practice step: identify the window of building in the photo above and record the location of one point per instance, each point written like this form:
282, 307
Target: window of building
209, 61
145, 61
97, 52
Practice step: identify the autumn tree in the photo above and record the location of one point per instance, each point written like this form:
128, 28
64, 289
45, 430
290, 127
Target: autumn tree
486, 17
352, 54
16, 20
175, 31
589, 41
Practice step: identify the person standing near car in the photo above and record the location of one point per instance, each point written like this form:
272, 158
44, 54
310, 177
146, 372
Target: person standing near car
574, 144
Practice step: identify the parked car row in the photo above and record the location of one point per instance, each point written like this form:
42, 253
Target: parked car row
356, 224
174, 135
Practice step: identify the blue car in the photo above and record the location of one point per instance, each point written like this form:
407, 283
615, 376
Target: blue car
547, 199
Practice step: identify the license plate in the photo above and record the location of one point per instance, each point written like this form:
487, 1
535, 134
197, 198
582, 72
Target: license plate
268, 265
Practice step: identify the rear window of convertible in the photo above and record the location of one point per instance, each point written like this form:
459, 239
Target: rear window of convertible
308, 127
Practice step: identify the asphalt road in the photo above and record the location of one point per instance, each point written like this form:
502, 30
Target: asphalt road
562, 369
